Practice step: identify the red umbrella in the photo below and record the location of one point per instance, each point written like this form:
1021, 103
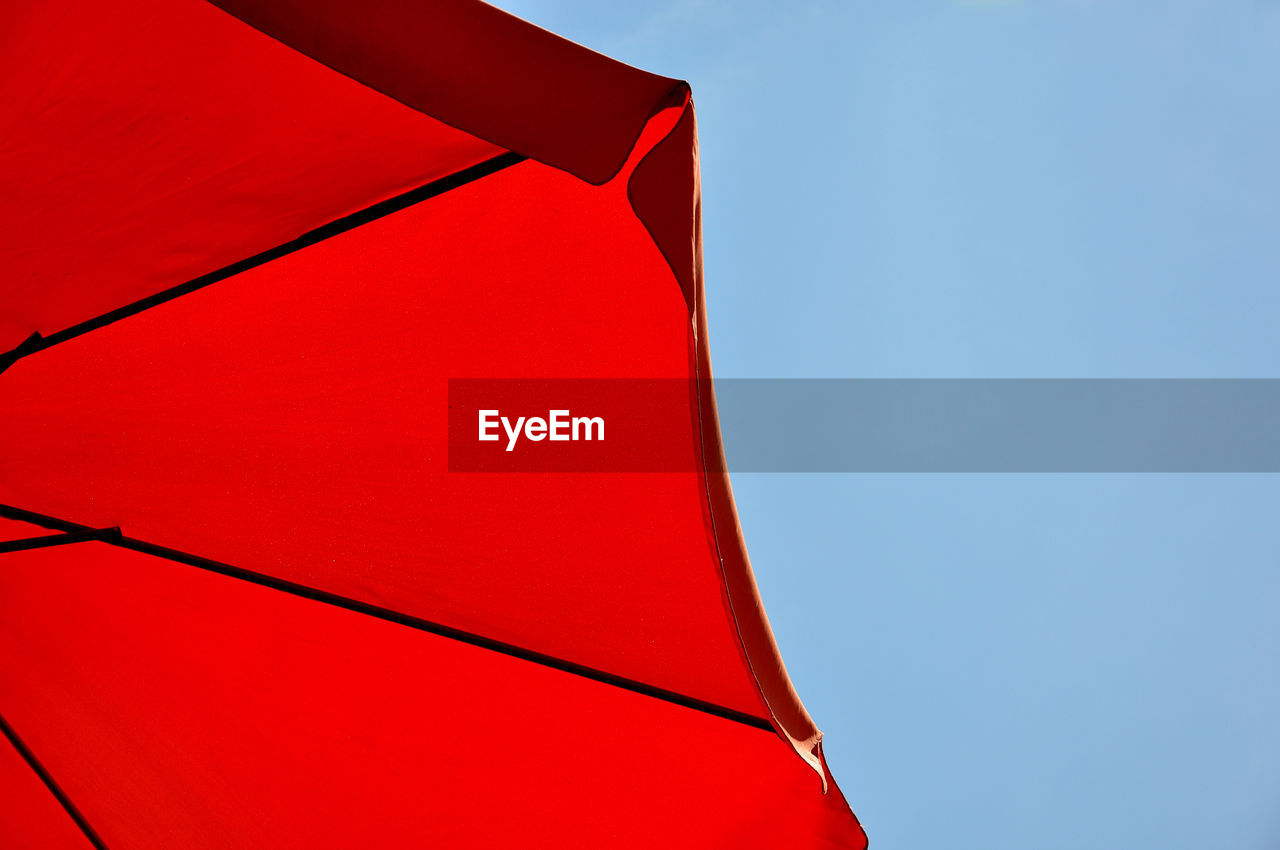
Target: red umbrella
246, 603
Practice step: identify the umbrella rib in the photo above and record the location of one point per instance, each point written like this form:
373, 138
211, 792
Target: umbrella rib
401, 618
58, 539
37, 342
61, 796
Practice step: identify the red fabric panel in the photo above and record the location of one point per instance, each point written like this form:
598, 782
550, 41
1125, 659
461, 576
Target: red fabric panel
476, 67
184, 709
145, 142
293, 420
30, 816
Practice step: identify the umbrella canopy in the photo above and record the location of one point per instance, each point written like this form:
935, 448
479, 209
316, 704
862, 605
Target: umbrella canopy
245, 602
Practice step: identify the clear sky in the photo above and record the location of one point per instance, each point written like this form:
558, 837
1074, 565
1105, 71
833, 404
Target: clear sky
1002, 189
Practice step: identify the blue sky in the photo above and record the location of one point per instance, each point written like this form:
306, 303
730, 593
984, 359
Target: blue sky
988, 189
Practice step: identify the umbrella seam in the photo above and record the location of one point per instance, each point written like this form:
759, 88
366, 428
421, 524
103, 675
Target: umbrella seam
26, 543
439, 629
36, 342
54, 788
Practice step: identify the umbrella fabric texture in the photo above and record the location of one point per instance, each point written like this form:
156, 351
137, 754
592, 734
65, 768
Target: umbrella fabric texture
244, 601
